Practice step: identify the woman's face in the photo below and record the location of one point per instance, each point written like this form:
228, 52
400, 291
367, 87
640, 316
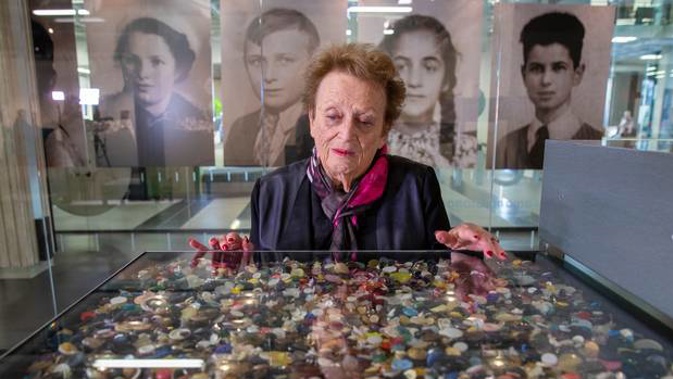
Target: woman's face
150, 68
347, 125
421, 67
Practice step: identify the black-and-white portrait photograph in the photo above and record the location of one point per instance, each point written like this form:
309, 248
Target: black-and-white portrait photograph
264, 55
151, 61
437, 51
554, 64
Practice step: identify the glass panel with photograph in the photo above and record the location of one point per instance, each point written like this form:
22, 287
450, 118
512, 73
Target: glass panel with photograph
152, 63
264, 119
433, 46
553, 64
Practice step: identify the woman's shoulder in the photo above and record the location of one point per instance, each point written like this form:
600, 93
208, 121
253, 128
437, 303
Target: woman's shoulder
402, 165
285, 174
184, 107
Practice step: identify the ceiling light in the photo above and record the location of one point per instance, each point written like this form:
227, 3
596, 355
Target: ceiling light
650, 57
377, 9
623, 39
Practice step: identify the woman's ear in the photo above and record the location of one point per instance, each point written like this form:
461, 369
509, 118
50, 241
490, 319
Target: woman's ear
311, 115
384, 137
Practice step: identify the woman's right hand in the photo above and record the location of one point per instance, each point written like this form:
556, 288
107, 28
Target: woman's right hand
229, 251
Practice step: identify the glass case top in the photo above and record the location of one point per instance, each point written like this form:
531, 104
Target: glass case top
300, 315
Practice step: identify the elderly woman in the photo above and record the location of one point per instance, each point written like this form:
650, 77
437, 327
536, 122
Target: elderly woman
350, 194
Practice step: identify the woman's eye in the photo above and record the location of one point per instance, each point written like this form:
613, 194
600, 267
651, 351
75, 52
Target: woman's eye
367, 123
401, 64
129, 60
431, 67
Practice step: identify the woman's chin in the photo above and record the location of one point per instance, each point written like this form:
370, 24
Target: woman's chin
341, 172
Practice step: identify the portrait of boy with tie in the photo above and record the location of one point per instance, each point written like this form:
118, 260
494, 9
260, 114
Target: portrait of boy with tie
552, 68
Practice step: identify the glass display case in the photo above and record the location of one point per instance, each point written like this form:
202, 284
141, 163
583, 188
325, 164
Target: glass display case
374, 315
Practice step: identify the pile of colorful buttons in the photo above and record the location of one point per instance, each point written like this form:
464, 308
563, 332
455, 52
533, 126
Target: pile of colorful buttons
376, 319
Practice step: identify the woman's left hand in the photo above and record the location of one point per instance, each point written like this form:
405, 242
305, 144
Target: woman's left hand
474, 276
469, 236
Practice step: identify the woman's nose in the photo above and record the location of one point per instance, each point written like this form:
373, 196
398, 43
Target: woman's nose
347, 130
415, 77
143, 69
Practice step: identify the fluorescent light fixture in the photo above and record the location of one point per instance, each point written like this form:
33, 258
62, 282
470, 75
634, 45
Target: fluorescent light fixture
60, 12
623, 39
58, 95
388, 32
83, 70
89, 96
650, 57
102, 364
403, 2
377, 9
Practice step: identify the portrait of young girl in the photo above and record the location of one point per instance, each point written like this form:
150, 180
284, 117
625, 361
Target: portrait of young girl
426, 57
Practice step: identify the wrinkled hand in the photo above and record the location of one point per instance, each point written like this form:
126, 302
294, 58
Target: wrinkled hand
229, 252
473, 275
471, 237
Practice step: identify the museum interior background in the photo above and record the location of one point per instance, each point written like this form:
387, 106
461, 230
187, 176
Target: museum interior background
67, 226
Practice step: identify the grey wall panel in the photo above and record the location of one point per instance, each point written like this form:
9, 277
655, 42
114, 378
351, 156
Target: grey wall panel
611, 209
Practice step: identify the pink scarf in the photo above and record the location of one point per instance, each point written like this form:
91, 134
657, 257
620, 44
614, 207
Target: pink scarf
343, 208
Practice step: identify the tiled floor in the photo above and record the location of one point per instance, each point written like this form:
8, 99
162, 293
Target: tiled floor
106, 241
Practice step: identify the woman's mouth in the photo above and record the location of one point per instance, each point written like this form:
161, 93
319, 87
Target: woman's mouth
342, 152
